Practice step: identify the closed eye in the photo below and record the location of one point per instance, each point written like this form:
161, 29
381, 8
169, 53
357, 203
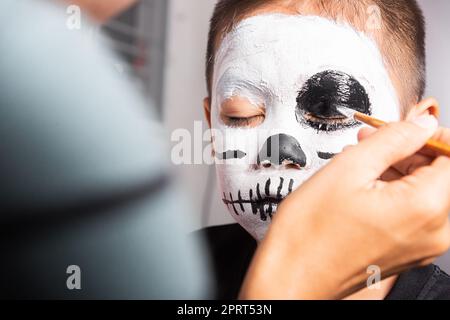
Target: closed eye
323, 93
243, 122
238, 112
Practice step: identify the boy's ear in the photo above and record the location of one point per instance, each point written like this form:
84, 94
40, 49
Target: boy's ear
426, 106
207, 109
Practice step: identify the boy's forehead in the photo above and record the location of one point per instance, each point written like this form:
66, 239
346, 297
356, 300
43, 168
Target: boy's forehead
289, 48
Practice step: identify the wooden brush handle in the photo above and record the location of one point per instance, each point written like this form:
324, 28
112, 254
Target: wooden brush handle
438, 147
373, 122
434, 145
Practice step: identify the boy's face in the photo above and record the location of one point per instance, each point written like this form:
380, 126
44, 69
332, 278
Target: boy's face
276, 85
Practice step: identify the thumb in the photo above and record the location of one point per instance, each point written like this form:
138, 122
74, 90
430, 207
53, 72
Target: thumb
391, 144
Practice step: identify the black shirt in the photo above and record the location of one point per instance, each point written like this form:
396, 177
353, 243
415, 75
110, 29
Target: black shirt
232, 248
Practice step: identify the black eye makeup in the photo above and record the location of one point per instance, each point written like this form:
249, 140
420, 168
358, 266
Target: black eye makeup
318, 99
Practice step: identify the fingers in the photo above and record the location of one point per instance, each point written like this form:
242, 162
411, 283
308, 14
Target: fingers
389, 145
405, 167
431, 184
411, 164
402, 168
366, 132
424, 197
391, 175
442, 135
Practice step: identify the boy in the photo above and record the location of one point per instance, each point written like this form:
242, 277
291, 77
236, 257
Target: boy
276, 72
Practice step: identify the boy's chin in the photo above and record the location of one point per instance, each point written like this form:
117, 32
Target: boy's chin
253, 225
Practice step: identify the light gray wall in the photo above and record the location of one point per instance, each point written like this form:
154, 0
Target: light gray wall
183, 95
438, 64
185, 88
438, 53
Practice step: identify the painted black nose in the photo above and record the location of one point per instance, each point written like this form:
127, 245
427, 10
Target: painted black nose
281, 149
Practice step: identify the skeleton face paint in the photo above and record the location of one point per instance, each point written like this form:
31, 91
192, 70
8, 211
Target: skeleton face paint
277, 82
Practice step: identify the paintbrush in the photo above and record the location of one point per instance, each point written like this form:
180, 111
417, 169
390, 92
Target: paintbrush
434, 145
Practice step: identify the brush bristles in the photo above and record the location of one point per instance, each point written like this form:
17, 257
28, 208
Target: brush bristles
347, 112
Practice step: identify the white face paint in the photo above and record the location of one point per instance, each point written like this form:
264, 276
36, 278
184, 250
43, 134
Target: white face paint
294, 67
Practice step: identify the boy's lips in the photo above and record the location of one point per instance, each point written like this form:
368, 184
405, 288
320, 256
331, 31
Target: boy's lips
263, 202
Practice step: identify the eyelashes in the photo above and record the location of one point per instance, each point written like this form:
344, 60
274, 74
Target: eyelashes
318, 99
326, 124
236, 122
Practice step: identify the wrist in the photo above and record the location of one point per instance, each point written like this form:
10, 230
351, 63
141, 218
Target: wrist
316, 269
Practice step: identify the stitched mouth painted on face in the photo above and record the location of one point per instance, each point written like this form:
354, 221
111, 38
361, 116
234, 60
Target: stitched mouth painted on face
261, 202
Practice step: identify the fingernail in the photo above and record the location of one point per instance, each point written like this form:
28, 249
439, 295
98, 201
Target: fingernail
426, 122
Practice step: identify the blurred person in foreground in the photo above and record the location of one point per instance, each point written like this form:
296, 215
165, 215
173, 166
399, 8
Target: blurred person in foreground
87, 198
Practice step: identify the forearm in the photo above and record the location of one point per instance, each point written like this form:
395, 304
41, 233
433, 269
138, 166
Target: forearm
313, 272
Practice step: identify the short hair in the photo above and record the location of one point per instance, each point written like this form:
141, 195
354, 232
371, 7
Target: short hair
401, 36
